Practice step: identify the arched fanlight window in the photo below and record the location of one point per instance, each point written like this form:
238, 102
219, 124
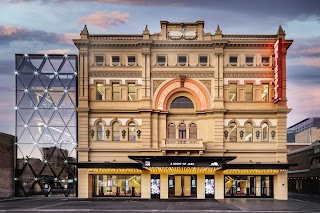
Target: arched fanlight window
265, 132
171, 131
233, 132
182, 131
181, 103
116, 131
100, 131
249, 131
132, 131
193, 131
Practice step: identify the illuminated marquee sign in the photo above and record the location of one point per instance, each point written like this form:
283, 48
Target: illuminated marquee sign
278, 71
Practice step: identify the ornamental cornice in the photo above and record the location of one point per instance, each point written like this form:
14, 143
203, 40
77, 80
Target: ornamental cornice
176, 74
248, 75
249, 45
173, 44
117, 74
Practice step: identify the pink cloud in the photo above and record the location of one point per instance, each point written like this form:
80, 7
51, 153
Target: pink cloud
304, 101
56, 51
104, 20
314, 61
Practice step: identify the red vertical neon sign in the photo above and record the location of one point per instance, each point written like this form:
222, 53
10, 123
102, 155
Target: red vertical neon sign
277, 71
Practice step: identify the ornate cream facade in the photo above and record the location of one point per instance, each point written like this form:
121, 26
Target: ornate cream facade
181, 113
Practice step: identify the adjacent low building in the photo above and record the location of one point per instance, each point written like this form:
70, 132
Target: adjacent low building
6, 165
182, 113
305, 177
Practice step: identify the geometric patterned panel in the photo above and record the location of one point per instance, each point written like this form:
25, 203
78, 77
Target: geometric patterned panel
46, 124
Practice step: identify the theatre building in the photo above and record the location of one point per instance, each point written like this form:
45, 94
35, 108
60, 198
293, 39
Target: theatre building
182, 113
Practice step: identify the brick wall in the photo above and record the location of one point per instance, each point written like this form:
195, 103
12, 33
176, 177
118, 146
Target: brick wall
6, 165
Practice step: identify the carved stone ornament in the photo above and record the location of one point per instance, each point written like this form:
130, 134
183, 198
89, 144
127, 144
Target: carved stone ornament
175, 74
207, 84
156, 84
182, 34
115, 74
248, 75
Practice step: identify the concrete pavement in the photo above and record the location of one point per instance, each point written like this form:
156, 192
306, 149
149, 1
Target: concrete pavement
295, 204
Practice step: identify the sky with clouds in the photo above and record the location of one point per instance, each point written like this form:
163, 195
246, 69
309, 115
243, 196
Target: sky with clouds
47, 26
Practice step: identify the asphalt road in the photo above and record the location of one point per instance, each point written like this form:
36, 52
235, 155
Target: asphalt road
296, 203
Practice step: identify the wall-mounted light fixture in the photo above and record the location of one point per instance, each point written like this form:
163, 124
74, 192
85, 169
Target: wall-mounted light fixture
108, 133
123, 133
257, 134
226, 133
92, 133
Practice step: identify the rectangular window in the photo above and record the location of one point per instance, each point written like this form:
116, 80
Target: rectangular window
131, 92
265, 60
131, 60
249, 92
182, 59
203, 60
115, 60
249, 60
265, 92
99, 91
233, 92
233, 59
99, 58
161, 60
115, 91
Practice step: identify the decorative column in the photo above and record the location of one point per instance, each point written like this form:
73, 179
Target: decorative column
218, 79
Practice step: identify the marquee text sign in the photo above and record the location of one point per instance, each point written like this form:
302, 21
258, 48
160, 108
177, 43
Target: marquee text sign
278, 71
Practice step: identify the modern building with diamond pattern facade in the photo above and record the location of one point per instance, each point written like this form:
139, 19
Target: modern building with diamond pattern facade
46, 125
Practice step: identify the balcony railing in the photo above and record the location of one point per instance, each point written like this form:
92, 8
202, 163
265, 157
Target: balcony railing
182, 144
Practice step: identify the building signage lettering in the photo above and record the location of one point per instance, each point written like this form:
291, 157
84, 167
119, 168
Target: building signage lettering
278, 71
147, 163
214, 164
181, 164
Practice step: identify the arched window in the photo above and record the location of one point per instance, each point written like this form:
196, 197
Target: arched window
182, 103
116, 131
265, 132
233, 132
100, 131
182, 131
248, 135
171, 131
132, 131
193, 131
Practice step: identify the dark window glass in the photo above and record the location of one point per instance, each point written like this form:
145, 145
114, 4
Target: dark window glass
131, 59
233, 59
249, 60
182, 103
265, 59
203, 59
115, 59
161, 59
99, 58
182, 59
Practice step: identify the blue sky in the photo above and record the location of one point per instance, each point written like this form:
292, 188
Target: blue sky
47, 26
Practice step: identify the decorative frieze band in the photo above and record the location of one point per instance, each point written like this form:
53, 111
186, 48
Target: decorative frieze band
248, 75
115, 74
176, 74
